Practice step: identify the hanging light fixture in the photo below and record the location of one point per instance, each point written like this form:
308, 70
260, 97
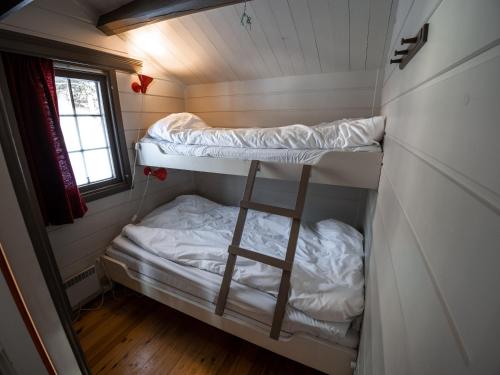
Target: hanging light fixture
246, 20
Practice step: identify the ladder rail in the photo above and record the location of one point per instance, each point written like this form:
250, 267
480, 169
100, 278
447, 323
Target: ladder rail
238, 233
284, 289
285, 265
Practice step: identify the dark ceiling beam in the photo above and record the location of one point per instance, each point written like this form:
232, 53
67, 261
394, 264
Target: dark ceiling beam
139, 13
8, 7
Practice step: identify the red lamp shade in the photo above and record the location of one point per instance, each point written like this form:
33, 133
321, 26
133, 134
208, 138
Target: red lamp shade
143, 85
159, 173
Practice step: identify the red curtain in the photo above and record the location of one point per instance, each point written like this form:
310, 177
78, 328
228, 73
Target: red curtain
33, 91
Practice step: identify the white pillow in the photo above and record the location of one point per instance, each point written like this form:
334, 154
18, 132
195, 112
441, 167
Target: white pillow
175, 122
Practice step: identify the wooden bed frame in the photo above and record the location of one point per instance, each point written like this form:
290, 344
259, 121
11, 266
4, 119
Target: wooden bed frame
312, 351
359, 169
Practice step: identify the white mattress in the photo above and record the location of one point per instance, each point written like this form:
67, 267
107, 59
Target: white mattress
327, 280
188, 129
243, 300
293, 156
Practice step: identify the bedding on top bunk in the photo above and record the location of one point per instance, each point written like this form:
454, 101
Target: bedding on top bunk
327, 278
186, 134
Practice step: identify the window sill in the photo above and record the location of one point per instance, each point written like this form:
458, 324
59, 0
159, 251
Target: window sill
105, 191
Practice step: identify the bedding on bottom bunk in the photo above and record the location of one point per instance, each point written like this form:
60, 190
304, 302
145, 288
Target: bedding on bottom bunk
197, 285
327, 280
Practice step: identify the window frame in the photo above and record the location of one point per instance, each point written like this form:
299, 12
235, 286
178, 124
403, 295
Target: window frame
116, 136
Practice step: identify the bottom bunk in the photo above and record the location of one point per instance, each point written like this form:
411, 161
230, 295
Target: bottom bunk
167, 258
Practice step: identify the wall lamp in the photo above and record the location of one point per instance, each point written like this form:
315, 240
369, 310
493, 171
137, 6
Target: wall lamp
143, 85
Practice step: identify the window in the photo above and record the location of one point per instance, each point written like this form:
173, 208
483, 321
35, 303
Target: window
95, 145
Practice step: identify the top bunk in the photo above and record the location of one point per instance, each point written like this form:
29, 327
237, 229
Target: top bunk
343, 153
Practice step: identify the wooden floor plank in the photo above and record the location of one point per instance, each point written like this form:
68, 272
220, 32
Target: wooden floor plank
132, 334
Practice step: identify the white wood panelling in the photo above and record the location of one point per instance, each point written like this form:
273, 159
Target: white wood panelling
307, 99
381, 18
78, 245
287, 37
409, 19
437, 222
371, 355
254, 118
359, 16
434, 59
323, 201
331, 25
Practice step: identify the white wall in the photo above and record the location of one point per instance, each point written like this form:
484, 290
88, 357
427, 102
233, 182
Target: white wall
323, 201
432, 299
15, 341
308, 99
16, 242
77, 246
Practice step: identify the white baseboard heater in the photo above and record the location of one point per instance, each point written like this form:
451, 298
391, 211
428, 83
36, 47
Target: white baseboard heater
82, 287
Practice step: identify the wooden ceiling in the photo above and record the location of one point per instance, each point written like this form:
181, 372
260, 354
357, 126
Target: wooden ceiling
287, 37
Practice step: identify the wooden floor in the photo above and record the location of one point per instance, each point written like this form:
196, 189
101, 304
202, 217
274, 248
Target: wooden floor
132, 334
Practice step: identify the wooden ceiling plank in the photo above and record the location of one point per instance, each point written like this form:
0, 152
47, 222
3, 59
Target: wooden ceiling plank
224, 69
245, 62
162, 55
183, 51
183, 45
250, 52
262, 12
339, 17
379, 15
359, 14
303, 22
250, 44
286, 26
259, 37
221, 45
323, 30
139, 13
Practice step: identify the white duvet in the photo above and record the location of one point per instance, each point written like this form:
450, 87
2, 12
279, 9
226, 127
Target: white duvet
189, 129
327, 279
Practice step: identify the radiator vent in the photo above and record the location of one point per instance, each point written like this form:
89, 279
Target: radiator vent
80, 277
82, 287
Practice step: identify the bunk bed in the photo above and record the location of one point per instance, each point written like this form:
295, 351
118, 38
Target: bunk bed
322, 338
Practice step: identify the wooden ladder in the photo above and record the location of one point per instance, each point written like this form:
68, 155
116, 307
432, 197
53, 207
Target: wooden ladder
285, 265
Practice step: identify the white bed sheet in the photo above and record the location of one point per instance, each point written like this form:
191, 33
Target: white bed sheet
327, 278
188, 129
243, 300
292, 156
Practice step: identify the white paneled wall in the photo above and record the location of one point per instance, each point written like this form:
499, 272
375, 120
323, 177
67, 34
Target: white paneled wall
309, 99
77, 245
323, 201
436, 231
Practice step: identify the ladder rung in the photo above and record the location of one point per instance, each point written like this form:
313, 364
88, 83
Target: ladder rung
259, 257
270, 209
